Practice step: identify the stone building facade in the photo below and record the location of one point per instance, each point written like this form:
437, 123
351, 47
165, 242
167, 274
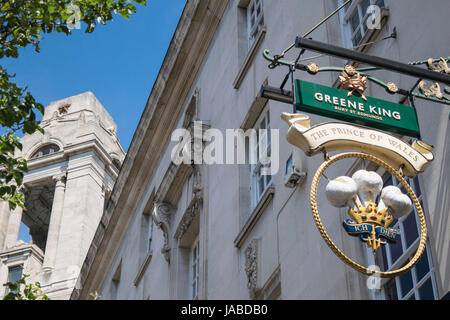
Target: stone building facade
72, 169
224, 231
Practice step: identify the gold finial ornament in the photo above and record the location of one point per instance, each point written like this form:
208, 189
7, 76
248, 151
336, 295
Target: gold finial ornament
352, 81
392, 87
350, 70
312, 68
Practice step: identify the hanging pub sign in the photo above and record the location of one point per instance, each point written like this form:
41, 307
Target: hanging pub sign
356, 108
365, 134
372, 207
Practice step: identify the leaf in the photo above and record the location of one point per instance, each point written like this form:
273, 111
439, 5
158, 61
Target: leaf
22, 24
31, 291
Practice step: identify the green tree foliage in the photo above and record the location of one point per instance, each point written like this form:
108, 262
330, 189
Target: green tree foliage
22, 23
21, 290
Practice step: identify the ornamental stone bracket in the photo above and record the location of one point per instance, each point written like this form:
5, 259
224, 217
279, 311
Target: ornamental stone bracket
251, 267
161, 216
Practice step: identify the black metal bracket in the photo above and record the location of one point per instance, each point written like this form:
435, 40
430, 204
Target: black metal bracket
384, 63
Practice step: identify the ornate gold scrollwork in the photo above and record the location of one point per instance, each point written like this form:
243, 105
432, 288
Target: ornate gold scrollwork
432, 91
440, 66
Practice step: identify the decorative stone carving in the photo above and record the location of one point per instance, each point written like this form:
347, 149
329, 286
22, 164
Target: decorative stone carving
190, 214
161, 216
194, 206
107, 190
190, 112
64, 108
198, 184
60, 180
251, 267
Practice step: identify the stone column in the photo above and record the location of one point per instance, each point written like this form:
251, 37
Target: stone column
55, 222
12, 234
4, 220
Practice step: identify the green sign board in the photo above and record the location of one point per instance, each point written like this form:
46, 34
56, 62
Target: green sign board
375, 113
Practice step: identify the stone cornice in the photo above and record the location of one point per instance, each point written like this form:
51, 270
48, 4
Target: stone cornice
184, 57
71, 150
22, 250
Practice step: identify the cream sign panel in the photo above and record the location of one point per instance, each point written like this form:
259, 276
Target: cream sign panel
333, 136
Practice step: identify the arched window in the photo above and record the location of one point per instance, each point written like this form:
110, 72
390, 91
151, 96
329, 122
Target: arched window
45, 150
117, 164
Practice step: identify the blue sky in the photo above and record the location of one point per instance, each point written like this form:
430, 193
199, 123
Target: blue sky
118, 62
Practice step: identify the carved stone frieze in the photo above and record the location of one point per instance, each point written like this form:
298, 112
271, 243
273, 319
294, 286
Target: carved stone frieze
194, 206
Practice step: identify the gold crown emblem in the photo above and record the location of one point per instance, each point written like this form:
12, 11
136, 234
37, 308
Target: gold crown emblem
370, 214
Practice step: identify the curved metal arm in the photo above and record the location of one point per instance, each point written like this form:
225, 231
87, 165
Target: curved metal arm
415, 63
276, 61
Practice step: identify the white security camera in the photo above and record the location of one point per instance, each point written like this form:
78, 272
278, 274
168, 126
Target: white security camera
294, 174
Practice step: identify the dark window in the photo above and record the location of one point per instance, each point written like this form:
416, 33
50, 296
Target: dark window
14, 275
419, 282
426, 291
406, 283
396, 250
365, 5
45, 150
410, 228
255, 20
422, 267
380, 3
391, 290
356, 21
116, 164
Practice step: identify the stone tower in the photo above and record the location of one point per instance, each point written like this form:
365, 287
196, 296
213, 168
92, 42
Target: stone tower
72, 170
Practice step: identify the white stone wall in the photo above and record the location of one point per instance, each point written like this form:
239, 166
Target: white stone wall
289, 247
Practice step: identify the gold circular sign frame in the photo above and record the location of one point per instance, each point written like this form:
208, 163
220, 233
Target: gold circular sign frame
332, 245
